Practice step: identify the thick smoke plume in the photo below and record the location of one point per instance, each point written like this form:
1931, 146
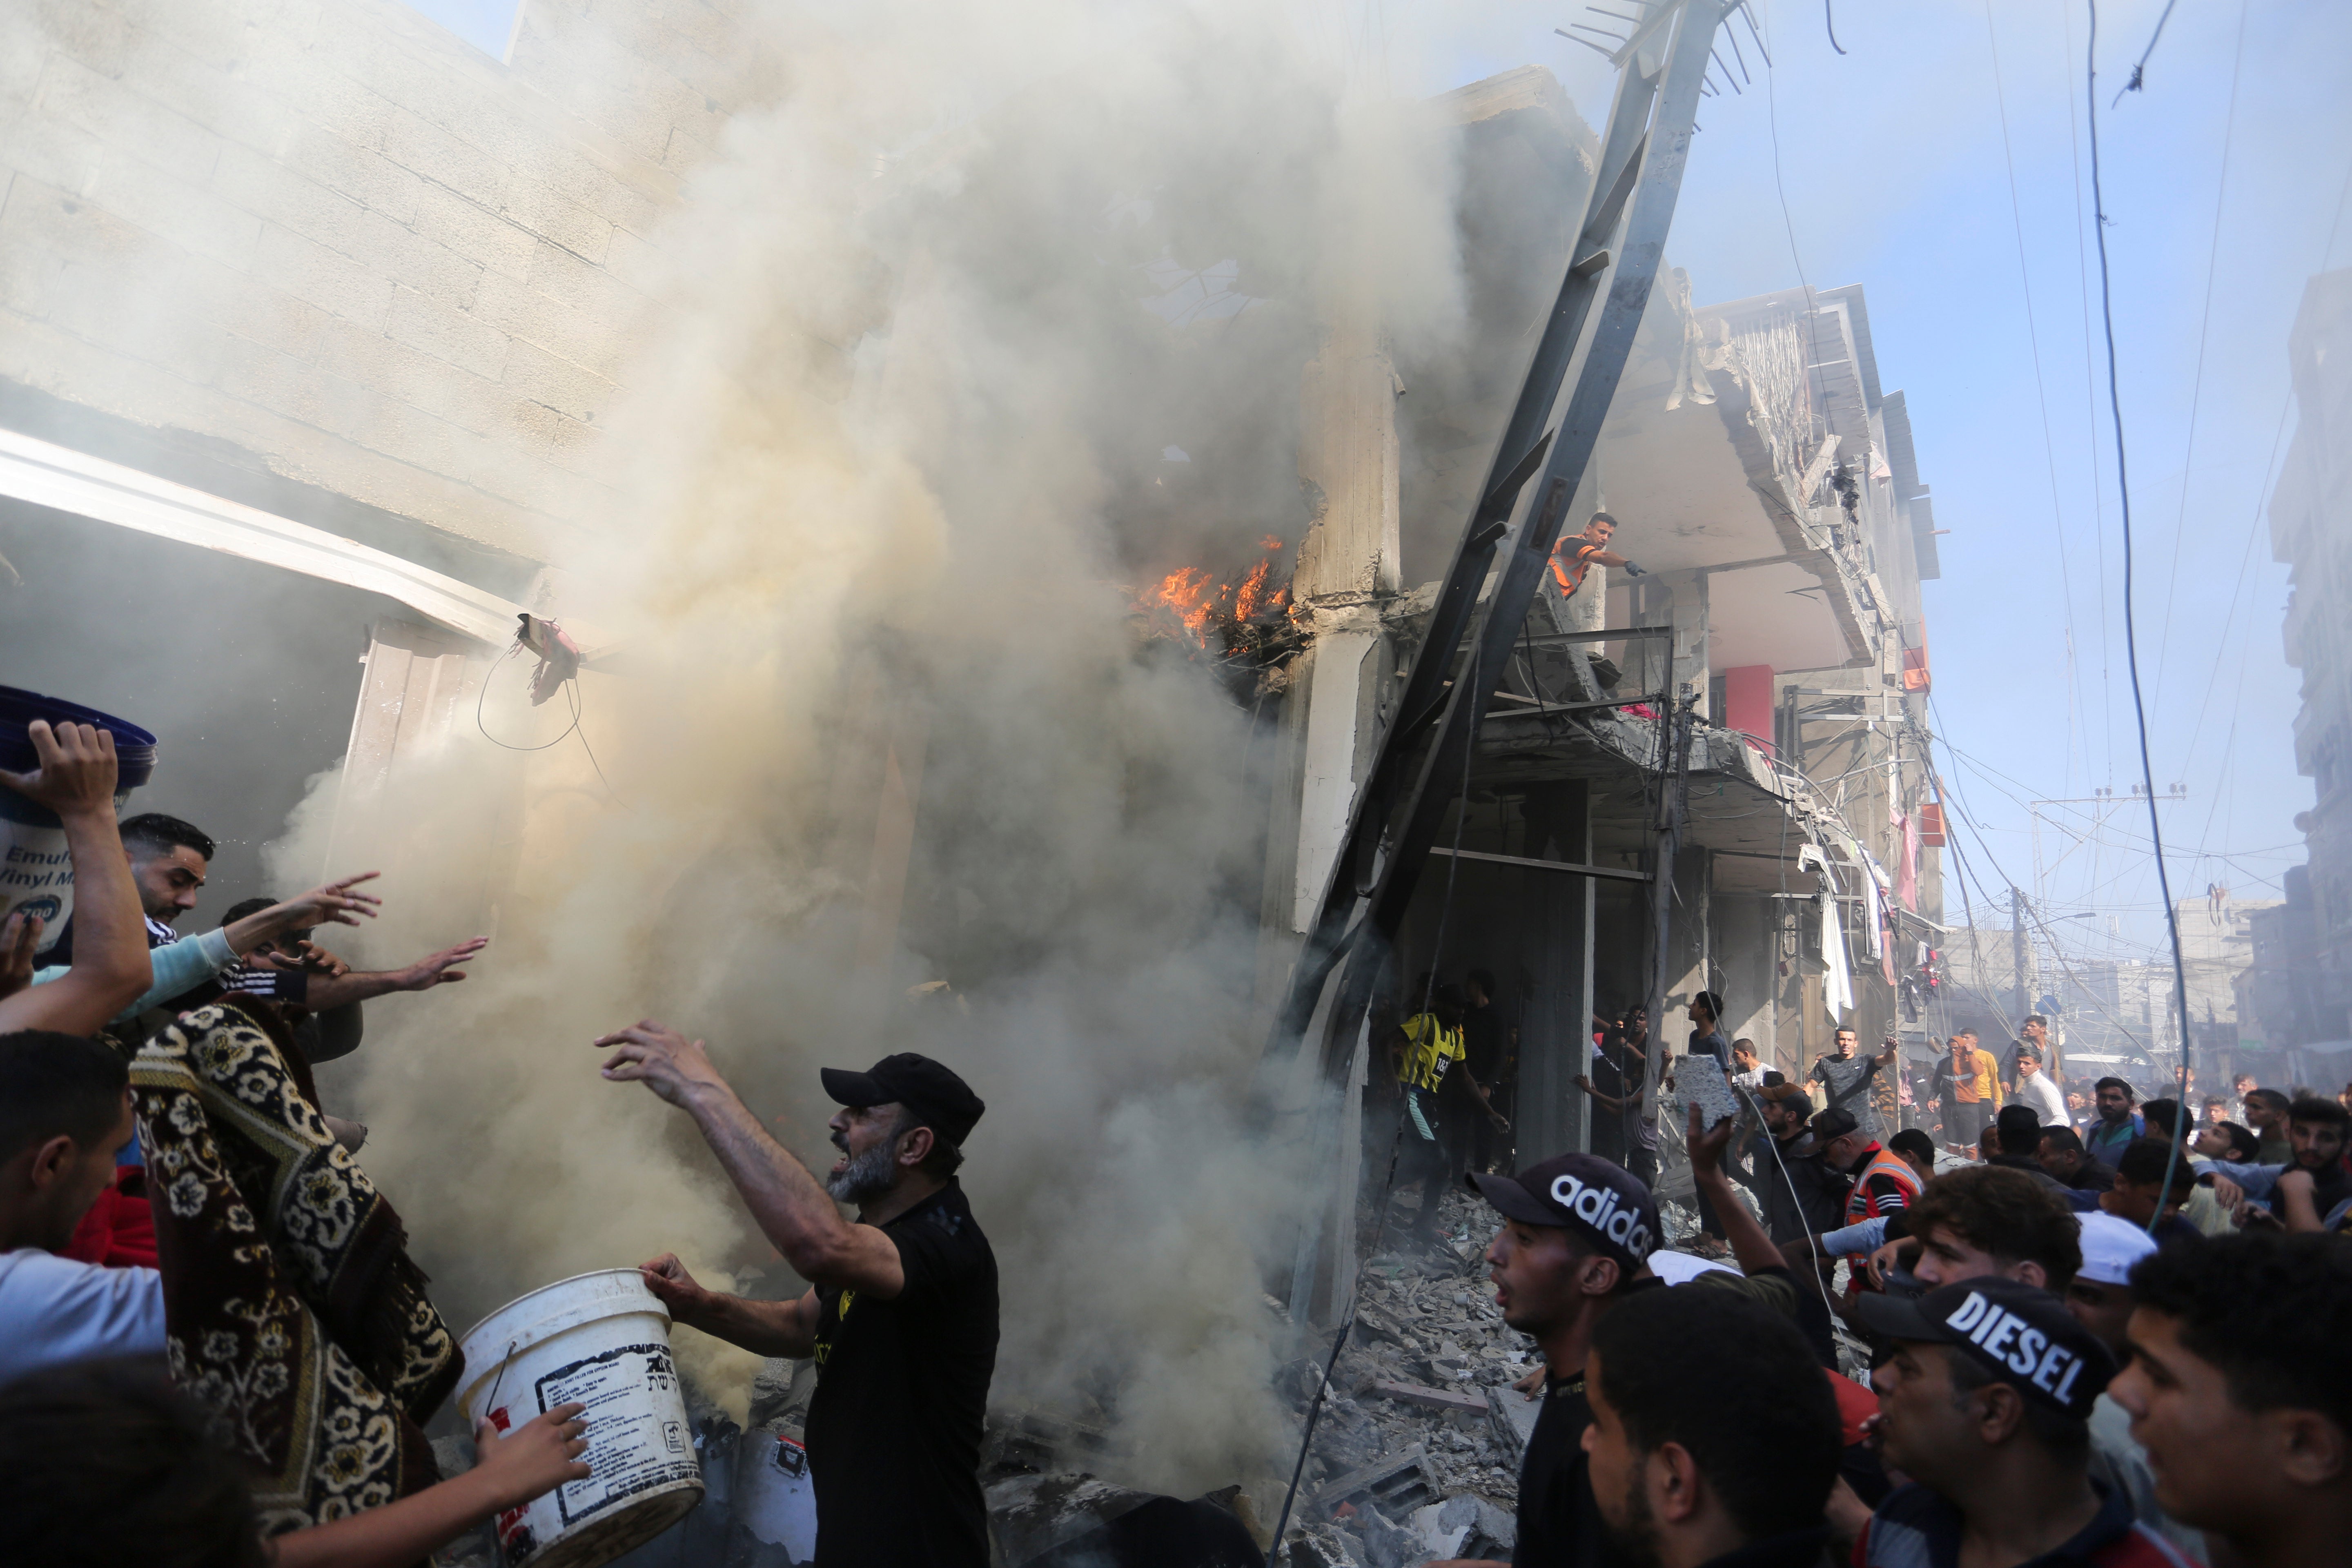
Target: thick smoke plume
905, 403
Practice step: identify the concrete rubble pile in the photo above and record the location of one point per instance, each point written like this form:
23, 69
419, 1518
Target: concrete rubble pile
1416, 1454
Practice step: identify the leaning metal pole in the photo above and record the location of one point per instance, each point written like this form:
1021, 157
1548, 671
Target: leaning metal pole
1612, 264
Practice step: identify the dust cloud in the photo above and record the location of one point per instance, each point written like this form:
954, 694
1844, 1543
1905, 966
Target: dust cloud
981, 314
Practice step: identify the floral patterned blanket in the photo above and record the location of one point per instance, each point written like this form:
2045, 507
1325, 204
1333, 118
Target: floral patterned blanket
292, 1310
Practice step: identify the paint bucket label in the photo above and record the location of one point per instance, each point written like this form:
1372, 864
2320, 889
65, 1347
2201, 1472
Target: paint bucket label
635, 1444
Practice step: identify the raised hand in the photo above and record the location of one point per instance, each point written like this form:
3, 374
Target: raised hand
653, 1054
338, 901
77, 771
435, 969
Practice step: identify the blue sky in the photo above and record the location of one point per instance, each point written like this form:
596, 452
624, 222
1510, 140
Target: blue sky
1893, 161
1892, 158
485, 24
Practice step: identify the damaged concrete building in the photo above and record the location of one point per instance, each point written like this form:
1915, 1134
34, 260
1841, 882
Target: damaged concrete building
374, 290
1766, 486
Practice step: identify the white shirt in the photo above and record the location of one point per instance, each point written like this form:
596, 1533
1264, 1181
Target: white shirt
54, 1309
2034, 1088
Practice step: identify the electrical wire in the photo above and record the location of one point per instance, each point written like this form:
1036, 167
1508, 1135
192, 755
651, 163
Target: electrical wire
2140, 67
572, 689
2098, 498
2131, 641
1788, 222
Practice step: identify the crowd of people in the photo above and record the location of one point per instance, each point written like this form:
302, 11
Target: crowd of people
2120, 1338
213, 1350
2067, 1318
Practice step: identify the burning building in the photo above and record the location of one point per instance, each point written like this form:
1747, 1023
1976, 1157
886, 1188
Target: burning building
1074, 698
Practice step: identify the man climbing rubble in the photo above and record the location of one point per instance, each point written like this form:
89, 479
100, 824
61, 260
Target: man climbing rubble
901, 1316
1428, 1053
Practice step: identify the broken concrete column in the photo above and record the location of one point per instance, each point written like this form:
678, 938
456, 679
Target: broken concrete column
1337, 700
1348, 564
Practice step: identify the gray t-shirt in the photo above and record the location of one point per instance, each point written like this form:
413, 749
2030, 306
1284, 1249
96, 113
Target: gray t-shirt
1848, 1086
54, 1309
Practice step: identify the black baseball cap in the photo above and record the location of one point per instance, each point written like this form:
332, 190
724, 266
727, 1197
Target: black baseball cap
1599, 1200
1834, 1123
934, 1094
2023, 1335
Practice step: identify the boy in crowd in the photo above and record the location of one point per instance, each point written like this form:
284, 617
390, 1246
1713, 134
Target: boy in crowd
1714, 1438
1967, 1085
2149, 1182
2267, 1112
2062, 1156
1847, 1079
2314, 1191
2014, 1142
2100, 1297
2034, 1088
2240, 1388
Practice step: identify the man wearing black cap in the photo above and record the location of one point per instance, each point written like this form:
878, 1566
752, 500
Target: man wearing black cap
1800, 1196
1577, 1234
1986, 1403
901, 1317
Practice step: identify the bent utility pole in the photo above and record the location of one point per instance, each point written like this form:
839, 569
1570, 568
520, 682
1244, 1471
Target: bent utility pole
1550, 438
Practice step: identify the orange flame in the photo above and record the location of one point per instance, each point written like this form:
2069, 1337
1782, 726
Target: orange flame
1197, 600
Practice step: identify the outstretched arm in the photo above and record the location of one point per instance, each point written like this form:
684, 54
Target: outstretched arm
763, 1328
76, 780
793, 1210
1753, 1249
339, 901
532, 1461
433, 969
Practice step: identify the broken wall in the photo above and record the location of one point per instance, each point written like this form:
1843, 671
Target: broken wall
329, 238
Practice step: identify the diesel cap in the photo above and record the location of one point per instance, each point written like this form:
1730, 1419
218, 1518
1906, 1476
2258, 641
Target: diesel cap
937, 1098
2024, 1336
1601, 1201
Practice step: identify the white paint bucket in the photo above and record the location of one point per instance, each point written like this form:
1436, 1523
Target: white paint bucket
774, 1498
600, 1340
36, 872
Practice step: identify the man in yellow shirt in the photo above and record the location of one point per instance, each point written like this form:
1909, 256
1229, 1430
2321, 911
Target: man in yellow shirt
1967, 1085
1428, 1048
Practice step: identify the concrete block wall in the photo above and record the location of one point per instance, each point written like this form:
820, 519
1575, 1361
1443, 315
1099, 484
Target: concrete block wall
334, 235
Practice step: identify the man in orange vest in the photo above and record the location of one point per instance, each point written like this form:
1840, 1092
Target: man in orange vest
1883, 1184
1578, 553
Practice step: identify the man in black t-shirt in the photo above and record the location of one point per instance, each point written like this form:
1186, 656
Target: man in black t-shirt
1618, 1070
1477, 1120
902, 1313
1577, 1234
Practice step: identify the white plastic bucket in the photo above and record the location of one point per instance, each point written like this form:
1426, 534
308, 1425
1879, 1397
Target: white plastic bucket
600, 1340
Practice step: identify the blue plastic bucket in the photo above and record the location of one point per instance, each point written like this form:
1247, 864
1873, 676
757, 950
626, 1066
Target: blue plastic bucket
36, 872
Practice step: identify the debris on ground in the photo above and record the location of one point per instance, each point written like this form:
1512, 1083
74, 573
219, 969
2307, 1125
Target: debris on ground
1417, 1452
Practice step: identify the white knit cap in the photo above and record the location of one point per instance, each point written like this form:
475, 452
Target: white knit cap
2110, 1247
